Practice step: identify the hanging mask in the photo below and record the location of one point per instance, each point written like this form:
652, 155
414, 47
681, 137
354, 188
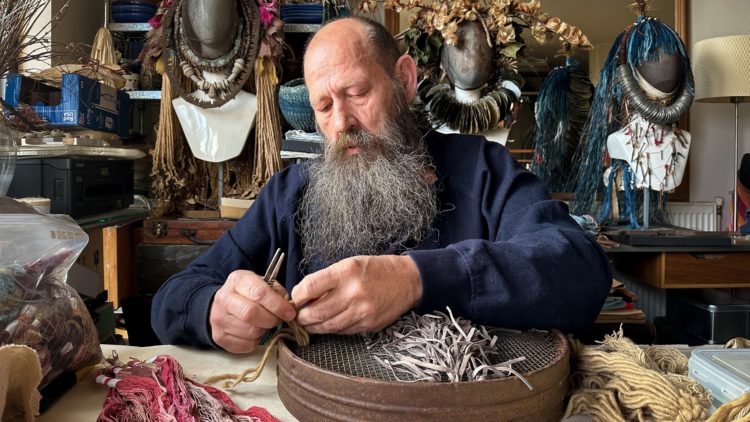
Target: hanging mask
646, 85
210, 48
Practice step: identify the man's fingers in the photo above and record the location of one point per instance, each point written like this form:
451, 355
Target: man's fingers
256, 290
323, 309
339, 323
231, 325
314, 286
235, 344
250, 312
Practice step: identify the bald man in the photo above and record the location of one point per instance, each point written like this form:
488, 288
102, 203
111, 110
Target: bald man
387, 221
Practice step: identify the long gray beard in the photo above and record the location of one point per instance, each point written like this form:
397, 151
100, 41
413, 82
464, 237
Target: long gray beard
379, 200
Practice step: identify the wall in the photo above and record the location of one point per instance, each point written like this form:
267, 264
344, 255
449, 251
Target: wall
78, 26
712, 125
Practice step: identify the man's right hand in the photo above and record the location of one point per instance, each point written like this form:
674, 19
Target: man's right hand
244, 308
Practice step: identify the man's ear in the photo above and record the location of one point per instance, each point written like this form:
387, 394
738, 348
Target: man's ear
406, 72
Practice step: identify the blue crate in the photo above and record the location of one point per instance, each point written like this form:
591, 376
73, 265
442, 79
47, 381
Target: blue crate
80, 103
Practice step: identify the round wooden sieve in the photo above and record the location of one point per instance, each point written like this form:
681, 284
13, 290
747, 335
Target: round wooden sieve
336, 378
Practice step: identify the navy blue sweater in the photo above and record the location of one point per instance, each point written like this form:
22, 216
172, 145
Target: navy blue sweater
505, 254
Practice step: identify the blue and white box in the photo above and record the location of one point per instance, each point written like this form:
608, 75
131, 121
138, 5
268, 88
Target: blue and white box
80, 103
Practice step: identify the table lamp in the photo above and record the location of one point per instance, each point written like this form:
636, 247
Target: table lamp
722, 75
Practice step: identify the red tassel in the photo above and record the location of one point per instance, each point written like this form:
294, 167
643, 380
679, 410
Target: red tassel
157, 390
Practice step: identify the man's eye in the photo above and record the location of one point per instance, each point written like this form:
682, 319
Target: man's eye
324, 108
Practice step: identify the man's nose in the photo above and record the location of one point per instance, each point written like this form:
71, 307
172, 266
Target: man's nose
343, 120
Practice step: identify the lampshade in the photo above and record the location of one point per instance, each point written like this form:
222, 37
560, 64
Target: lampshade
721, 67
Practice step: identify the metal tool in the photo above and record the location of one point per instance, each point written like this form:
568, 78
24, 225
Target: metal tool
274, 267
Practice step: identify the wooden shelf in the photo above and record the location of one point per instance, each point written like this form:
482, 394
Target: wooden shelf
129, 27
301, 27
144, 95
687, 270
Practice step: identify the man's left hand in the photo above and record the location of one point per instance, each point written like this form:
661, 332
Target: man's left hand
358, 294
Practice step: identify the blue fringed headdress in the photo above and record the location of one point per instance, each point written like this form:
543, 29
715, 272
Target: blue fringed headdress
642, 41
561, 109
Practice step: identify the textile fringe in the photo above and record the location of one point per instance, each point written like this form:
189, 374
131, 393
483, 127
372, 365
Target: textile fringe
293, 332
267, 157
103, 50
175, 170
157, 390
619, 381
562, 108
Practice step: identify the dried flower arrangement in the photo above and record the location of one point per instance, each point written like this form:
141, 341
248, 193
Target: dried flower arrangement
433, 24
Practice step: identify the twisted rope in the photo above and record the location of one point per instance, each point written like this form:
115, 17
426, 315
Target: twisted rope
293, 332
620, 381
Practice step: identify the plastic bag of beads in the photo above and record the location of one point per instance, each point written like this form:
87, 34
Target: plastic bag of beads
37, 307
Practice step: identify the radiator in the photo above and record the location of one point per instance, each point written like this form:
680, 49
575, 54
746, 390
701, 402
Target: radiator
651, 300
701, 216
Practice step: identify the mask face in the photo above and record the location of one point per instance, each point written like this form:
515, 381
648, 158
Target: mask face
468, 65
656, 154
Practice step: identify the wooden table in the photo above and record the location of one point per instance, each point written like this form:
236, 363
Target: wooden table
110, 251
685, 267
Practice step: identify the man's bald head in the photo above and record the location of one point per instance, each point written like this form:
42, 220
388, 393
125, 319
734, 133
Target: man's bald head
360, 33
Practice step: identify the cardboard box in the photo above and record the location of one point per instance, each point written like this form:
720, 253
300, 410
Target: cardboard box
80, 103
85, 281
233, 208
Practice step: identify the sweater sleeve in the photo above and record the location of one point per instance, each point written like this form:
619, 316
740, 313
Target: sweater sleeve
180, 310
535, 269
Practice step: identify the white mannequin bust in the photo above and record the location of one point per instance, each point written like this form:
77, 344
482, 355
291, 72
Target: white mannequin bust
656, 156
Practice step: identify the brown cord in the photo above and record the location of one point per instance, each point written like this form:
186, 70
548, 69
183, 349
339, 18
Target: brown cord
174, 172
267, 157
293, 332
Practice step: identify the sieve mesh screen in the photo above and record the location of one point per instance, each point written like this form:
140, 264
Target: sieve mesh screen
348, 355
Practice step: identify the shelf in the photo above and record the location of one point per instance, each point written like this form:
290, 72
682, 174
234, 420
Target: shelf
129, 27
297, 155
144, 95
297, 145
301, 27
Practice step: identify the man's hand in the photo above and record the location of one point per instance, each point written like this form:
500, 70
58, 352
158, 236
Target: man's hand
244, 308
362, 293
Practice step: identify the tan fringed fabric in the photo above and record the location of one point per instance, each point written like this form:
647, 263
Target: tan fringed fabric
175, 172
619, 381
103, 49
267, 157
20, 375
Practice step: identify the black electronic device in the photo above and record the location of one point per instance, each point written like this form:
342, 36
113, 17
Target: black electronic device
77, 186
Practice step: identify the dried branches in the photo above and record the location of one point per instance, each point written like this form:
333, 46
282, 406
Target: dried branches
439, 347
435, 23
497, 17
23, 37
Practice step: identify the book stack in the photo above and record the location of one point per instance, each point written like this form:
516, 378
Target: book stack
620, 307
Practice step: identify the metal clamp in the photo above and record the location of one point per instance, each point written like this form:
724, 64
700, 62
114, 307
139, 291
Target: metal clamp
159, 229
